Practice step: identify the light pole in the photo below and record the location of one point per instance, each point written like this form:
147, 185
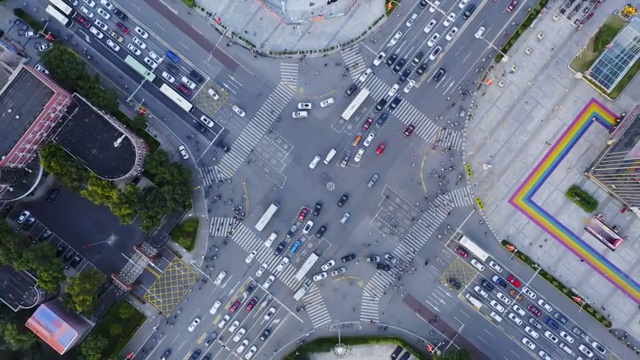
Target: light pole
515, 250
218, 42
505, 57
526, 285
144, 79
437, 8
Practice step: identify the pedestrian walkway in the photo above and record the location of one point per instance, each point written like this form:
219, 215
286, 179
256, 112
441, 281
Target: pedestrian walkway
221, 226
369, 308
208, 175
255, 130
316, 308
378, 88
460, 197
354, 61
289, 75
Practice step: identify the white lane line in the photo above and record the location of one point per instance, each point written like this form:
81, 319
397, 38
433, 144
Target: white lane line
481, 339
489, 333
185, 46
160, 26
134, 5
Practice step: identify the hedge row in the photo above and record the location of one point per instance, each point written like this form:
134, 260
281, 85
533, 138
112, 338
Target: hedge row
582, 198
533, 15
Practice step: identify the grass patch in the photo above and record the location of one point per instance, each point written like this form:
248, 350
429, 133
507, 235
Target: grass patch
582, 198
393, 3
185, 233
326, 344
190, 3
118, 325
557, 284
598, 43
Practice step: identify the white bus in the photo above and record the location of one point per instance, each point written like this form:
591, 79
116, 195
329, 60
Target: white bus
58, 16
303, 290
266, 217
475, 302
63, 7
176, 98
306, 266
473, 248
355, 104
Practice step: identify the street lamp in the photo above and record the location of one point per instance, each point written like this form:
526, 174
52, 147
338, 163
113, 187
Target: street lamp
505, 57
435, 6
218, 42
144, 79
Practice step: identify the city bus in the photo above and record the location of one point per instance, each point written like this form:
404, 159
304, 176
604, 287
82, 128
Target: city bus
63, 7
307, 266
176, 98
355, 104
475, 302
303, 290
266, 217
139, 68
473, 248
58, 16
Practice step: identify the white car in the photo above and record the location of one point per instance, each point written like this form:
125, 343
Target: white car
168, 77
134, 49
328, 265
239, 334
585, 350
269, 281
502, 297
549, 335
91, 3
411, 20
481, 292
545, 305
497, 268
496, 305
220, 277
480, 33
139, 43
215, 307
449, 20
300, 114
314, 162
534, 334
185, 80
150, 62
234, 326
249, 258
519, 310
31, 34
409, 86
252, 351
88, 13
261, 270
224, 321
365, 75
515, 318
529, 293
305, 106
194, 324
102, 26
104, 13
393, 90
476, 264
213, 94
183, 151
568, 338
96, 32
269, 313
23, 217
463, 4
238, 111
113, 45
496, 317
155, 57
106, 4
434, 7
327, 102
359, 155
243, 345
396, 37
141, 32
41, 69
434, 54
320, 276
368, 140
529, 343
451, 33
307, 227
283, 263
430, 25
378, 60
433, 40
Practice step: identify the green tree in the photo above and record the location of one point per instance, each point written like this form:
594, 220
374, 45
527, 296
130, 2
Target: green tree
83, 289
127, 204
100, 191
42, 259
60, 164
18, 338
92, 347
460, 354
139, 123
11, 245
65, 66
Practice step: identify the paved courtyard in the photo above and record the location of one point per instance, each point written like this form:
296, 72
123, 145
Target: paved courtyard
534, 133
369, 352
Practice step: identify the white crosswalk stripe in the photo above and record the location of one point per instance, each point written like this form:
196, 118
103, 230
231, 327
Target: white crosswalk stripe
253, 132
221, 226
289, 75
369, 308
377, 87
460, 197
316, 308
209, 175
450, 138
354, 61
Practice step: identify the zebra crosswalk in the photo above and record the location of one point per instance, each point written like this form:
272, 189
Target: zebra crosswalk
460, 197
369, 308
289, 75
251, 135
354, 61
316, 308
222, 226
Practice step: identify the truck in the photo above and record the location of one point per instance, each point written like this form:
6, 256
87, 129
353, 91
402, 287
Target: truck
475, 302
514, 293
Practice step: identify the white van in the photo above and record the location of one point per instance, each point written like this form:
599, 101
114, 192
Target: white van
220, 277
270, 239
329, 157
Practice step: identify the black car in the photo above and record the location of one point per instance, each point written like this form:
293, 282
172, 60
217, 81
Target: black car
405, 74
166, 354
265, 334
317, 208
21, 25
395, 102
391, 59
348, 257
383, 266
195, 354
45, 235
487, 285
399, 65
210, 339
396, 352
405, 356
382, 118
381, 104
61, 249
454, 283
292, 230
196, 76
321, 231
439, 74
76, 261
172, 69
469, 11
343, 200
69, 256
200, 128
416, 60
208, 356
279, 249
120, 14
53, 194
350, 90
423, 4
422, 69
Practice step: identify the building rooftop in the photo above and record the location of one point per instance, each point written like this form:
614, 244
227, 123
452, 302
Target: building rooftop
18, 289
21, 102
59, 328
93, 140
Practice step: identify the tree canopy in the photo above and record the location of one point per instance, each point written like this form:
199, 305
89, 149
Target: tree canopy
83, 289
63, 166
42, 259
92, 347
11, 245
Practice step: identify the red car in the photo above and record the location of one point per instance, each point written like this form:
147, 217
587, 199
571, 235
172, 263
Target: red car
251, 304
366, 124
380, 148
303, 213
235, 306
83, 21
184, 90
512, 6
534, 310
512, 279
409, 130
462, 252
122, 27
